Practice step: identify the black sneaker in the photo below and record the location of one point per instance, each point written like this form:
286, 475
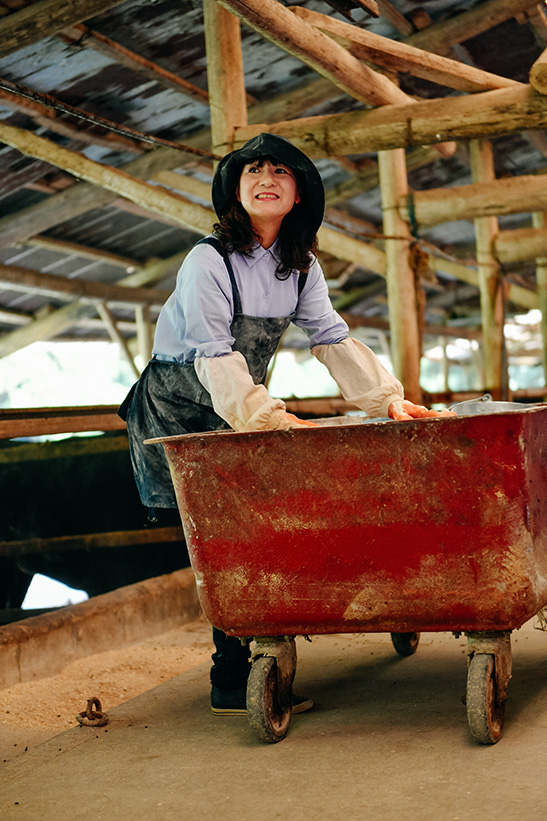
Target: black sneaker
234, 702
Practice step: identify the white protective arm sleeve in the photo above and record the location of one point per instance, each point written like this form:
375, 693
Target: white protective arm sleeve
360, 375
236, 398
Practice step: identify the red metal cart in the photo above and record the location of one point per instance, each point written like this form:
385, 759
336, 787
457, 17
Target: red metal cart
429, 525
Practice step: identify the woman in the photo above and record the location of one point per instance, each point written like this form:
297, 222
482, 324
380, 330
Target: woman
237, 291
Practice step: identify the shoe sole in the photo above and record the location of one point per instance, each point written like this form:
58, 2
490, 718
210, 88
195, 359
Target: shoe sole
232, 711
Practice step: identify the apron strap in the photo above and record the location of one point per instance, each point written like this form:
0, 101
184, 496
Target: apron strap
217, 245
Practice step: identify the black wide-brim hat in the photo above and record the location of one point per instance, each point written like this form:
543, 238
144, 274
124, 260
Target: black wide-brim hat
228, 173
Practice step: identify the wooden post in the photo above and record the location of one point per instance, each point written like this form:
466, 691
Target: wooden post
446, 364
144, 332
538, 74
490, 286
401, 285
116, 336
540, 221
227, 98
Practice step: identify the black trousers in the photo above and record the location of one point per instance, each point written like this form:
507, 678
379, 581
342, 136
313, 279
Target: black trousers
231, 665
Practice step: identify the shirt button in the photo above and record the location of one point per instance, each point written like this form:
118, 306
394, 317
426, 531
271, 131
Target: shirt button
266, 294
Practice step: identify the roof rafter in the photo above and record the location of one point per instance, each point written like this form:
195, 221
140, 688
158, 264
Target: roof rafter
399, 57
45, 18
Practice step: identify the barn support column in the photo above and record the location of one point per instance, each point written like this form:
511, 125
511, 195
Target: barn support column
490, 282
116, 336
225, 78
401, 282
539, 220
144, 332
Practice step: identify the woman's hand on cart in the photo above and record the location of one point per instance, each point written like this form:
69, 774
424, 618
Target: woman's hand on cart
402, 409
297, 422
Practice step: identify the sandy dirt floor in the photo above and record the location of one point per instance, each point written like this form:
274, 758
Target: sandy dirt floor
34, 711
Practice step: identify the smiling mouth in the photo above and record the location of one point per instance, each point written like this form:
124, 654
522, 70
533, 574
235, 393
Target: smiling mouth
267, 197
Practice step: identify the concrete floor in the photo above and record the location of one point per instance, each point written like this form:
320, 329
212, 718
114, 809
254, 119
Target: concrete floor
387, 740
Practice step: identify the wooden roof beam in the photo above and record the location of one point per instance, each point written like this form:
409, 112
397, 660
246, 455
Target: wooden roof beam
502, 111
440, 37
521, 244
81, 35
50, 119
174, 206
45, 18
510, 195
399, 57
58, 320
275, 22
83, 196
538, 73
154, 198
75, 249
24, 279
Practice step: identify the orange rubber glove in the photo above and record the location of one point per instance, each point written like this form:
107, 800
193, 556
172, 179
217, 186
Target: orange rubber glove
290, 417
402, 409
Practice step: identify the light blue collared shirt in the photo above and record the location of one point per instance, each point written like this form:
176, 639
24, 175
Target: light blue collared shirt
196, 319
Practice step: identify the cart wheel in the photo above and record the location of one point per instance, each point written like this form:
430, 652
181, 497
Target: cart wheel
406, 644
268, 719
485, 713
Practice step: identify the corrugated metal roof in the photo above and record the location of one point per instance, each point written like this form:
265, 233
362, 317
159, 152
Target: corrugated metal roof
170, 34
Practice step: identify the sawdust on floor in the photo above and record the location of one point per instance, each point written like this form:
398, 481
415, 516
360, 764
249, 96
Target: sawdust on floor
34, 711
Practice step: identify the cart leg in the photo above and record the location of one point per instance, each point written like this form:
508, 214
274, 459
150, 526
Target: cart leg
488, 673
406, 644
269, 689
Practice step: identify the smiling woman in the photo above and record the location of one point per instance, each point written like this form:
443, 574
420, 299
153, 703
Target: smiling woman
267, 191
237, 292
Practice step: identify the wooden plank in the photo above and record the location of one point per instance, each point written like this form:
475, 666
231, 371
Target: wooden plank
401, 281
44, 18
91, 541
490, 284
15, 423
399, 57
225, 76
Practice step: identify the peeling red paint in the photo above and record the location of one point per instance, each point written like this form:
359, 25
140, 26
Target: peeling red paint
428, 525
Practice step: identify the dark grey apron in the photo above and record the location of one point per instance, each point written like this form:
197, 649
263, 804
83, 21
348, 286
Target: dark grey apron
169, 399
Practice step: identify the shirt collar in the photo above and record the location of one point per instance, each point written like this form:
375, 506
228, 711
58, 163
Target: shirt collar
258, 253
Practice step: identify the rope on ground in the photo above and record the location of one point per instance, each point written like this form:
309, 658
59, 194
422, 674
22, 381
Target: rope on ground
90, 717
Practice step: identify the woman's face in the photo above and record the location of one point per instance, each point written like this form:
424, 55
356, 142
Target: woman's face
267, 192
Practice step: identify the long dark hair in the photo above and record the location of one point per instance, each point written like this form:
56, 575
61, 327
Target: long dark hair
297, 239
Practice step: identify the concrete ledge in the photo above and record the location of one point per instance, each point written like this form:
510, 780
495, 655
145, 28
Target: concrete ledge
42, 645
